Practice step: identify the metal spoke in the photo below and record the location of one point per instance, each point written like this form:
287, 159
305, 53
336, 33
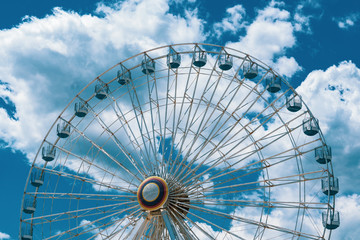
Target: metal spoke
92, 222
140, 169
105, 152
248, 221
91, 164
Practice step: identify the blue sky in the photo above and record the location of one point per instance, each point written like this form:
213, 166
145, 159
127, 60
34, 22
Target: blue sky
313, 43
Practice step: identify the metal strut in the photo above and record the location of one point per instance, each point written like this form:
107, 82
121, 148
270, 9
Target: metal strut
169, 226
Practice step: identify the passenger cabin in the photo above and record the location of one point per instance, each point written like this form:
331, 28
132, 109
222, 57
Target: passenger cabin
173, 59
37, 177
199, 57
330, 186
331, 219
293, 103
26, 232
26, 236
225, 61
123, 76
101, 90
250, 70
147, 65
63, 129
81, 109
323, 154
48, 153
273, 83
310, 126
29, 206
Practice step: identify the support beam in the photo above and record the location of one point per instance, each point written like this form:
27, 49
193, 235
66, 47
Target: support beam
142, 226
169, 226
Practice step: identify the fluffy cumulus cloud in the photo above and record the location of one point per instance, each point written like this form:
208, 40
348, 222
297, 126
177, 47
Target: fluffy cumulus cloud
4, 236
301, 21
304, 12
349, 208
45, 62
287, 66
233, 22
333, 96
348, 21
269, 36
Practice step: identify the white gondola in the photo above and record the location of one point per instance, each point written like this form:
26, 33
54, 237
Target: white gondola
63, 129
199, 57
37, 178
250, 70
293, 103
273, 83
310, 126
81, 109
331, 220
26, 236
26, 232
147, 65
29, 206
123, 75
330, 186
101, 91
173, 59
225, 61
48, 153
323, 154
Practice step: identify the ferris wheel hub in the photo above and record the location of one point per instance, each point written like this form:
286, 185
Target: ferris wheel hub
152, 193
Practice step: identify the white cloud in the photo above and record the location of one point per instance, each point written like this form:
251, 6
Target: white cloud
182, 1
349, 208
301, 22
348, 21
302, 15
265, 38
287, 66
272, 33
233, 22
268, 36
311, 3
4, 236
333, 96
47, 61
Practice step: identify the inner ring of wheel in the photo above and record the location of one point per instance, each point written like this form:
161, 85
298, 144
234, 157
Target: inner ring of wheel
152, 193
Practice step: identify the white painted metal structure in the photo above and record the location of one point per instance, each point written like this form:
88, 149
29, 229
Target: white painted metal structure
207, 120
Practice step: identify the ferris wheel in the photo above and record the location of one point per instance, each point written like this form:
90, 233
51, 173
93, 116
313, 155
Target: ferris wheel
186, 141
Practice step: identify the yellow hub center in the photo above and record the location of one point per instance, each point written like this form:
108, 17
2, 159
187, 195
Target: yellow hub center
152, 193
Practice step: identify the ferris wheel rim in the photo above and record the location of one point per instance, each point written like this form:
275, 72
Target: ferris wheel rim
142, 53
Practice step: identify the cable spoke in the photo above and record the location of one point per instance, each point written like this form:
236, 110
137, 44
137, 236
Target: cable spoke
140, 169
88, 180
92, 222
245, 220
105, 153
